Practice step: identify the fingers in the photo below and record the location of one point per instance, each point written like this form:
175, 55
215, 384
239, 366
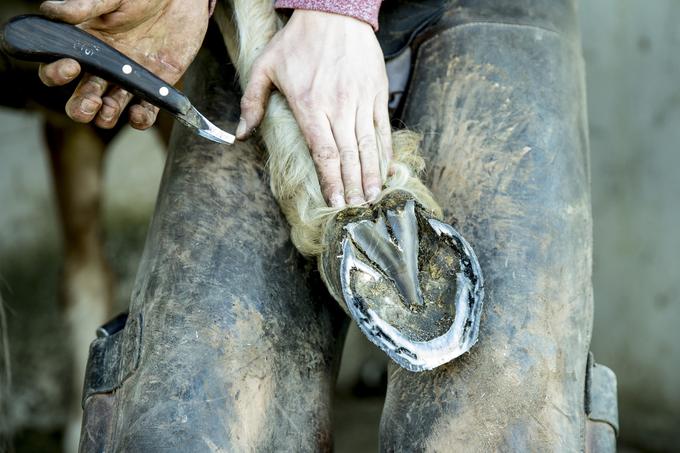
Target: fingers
381, 118
348, 151
86, 99
89, 103
368, 153
113, 105
345, 150
78, 11
254, 100
60, 72
317, 131
143, 115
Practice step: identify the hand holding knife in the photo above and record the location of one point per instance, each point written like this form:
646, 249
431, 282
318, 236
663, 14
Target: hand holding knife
37, 38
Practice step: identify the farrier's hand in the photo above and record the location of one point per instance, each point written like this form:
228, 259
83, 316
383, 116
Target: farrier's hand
162, 35
332, 72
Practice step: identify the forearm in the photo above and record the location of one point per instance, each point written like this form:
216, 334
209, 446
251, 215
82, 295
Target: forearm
365, 10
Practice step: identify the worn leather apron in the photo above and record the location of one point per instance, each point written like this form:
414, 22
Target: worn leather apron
232, 343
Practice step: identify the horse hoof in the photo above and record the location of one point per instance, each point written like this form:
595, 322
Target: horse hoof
411, 282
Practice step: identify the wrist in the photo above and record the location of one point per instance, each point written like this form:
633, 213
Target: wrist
323, 20
363, 10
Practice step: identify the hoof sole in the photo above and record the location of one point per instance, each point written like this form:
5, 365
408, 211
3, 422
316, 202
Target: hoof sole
411, 282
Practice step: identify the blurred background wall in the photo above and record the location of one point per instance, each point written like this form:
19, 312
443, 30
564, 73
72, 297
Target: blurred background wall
632, 52
30, 264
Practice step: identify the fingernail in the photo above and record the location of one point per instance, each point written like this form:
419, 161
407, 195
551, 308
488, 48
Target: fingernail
106, 113
68, 71
88, 107
372, 193
242, 128
337, 201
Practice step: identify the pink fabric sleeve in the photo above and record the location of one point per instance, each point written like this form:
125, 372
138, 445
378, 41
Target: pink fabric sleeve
366, 10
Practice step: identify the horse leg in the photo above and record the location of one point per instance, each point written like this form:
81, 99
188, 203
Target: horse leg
76, 154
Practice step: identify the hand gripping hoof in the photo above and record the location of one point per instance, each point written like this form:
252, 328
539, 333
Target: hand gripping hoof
411, 282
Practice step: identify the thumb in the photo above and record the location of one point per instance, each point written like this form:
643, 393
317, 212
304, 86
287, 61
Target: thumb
254, 101
78, 11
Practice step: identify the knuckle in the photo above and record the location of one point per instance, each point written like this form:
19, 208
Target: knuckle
330, 188
352, 184
343, 96
367, 142
386, 143
324, 153
93, 86
70, 16
122, 95
80, 9
329, 180
347, 153
113, 103
252, 102
371, 177
77, 11
306, 100
260, 69
257, 68
383, 126
312, 133
118, 105
252, 98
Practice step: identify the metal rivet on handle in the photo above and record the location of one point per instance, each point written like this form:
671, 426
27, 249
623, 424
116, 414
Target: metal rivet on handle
164, 91
127, 69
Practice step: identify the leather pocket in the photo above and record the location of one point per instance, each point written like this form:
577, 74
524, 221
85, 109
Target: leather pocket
114, 356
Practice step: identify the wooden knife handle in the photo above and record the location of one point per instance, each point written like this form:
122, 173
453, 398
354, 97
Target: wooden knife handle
36, 38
